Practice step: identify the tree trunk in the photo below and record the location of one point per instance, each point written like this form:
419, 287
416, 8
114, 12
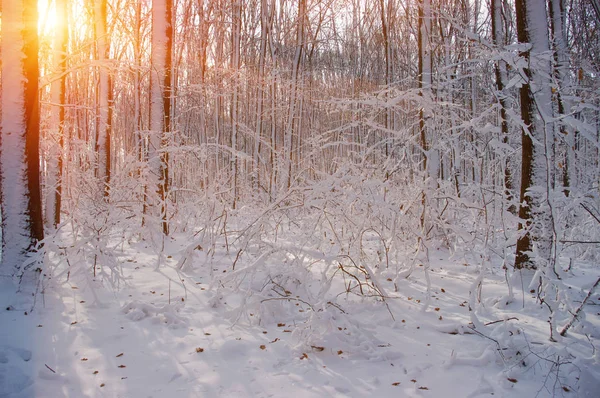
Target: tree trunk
160, 101
501, 72
537, 169
103, 124
22, 224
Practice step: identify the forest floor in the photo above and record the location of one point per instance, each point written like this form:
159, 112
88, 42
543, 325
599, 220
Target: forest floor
163, 332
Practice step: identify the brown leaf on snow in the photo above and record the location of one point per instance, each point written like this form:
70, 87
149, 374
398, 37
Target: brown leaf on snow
413, 380
95, 372
74, 323
304, 356
280, 325
511, 379
340, 352
102, 385
437, 308
396, 383
317, 348
287, 331
84, 359
121, 366
263, 347
423, 388
119, 356
199, 349
274, 341
443, 291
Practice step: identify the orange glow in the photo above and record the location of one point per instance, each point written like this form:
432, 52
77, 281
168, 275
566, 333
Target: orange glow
48, 20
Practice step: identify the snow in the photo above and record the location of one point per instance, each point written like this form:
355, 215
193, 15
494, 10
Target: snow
167, 332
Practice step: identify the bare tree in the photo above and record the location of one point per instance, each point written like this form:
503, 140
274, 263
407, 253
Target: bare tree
22, 224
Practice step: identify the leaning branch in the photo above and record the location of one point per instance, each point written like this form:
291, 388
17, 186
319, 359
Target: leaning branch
574, 318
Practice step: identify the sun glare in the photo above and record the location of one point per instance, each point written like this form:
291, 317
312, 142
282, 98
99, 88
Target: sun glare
48, 20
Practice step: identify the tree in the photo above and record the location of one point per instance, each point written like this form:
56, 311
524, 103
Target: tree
58, 95
22, 224
103, 125
501, 72
160, 107
537, 168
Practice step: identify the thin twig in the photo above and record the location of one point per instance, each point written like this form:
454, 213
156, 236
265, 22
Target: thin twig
502, 320
574, 318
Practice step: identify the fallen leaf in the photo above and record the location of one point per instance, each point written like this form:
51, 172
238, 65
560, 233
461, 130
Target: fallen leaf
121, 366
443, 291
423, 388
437, 308
511, 379
84, 359
95, 372
274, 341
413, 380
120, 355
82, 301
207, 334
199, 349
317, 348
102, 385
74, 323
287, 331
340, 352
280, 325
396, 383
263, 347
566, 389
304, 356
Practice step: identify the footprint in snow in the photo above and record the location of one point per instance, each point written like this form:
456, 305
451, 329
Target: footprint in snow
13, 378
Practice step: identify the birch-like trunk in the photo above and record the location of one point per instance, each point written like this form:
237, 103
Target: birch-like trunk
235, 65
289, 131
160, 101
103, 122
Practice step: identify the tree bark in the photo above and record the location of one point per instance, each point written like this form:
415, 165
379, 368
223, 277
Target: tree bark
537, 168
22, 223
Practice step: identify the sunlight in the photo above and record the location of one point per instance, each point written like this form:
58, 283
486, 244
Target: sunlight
48, 20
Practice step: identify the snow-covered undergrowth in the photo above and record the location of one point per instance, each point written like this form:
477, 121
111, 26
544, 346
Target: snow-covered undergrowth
334, 289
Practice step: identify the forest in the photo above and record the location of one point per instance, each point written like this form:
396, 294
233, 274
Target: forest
320, 169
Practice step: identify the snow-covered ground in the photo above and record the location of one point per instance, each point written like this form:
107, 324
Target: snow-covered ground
166, 332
